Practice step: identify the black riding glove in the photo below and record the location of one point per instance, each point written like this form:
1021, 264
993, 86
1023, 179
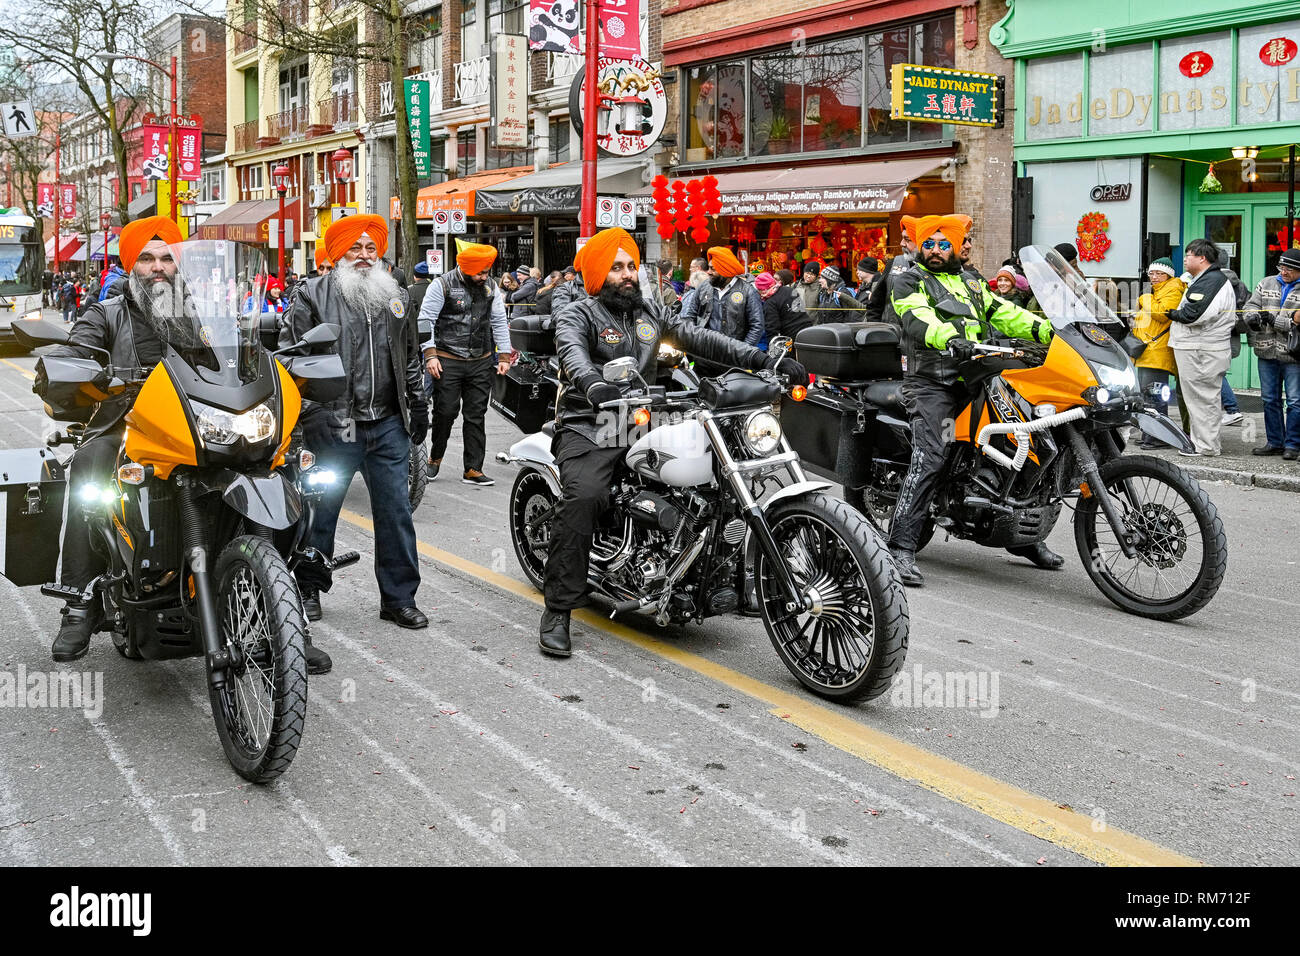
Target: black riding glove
794, 371
419, 421
603, 392
962, 349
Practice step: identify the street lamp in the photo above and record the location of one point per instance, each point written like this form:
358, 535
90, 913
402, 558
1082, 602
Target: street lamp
171, 128
341, 160
280, 175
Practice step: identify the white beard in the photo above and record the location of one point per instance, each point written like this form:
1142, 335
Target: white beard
367, 290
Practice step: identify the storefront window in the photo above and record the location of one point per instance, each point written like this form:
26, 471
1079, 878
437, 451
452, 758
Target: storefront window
883, 51
716, 101
1267, 60
1119, 85
558, 136
832, 96
1054, 97
935, 42
1195, 82
776, 121
466, 151
498, 158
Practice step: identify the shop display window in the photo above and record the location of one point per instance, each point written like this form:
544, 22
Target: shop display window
832, 96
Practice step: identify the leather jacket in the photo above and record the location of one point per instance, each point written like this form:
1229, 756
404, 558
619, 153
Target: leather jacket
566, 293
319, 301
738, 309
587, 335
464, 326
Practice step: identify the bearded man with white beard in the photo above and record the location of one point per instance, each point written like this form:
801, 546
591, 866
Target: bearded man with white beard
371, 427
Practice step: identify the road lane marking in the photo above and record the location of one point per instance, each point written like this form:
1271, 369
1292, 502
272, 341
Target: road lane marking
992, 797
22, 371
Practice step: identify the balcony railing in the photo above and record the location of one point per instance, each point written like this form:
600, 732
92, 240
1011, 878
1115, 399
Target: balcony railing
472, 80
246, 38
246, 136
387, 102
338, 110
561, 68
291, 124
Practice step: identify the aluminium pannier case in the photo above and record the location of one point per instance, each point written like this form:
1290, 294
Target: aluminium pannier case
33, 484
850, 351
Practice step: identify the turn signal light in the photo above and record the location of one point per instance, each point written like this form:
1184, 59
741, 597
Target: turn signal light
306, 459
641, 417
133, 474
799, 393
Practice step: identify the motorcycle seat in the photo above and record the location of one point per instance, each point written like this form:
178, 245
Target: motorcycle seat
885, 395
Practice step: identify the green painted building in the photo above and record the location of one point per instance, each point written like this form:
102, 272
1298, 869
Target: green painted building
1123, 109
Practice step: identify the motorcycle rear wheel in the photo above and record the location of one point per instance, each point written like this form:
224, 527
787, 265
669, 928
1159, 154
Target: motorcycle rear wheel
531, 498
852, 642
261, 710
878, 507
417, 475
1177, 522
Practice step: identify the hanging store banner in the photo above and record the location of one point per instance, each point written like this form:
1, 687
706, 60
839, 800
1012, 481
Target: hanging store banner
553, 25
417, 120
884, 197
45, 200
67, 200
510, 91
933, 94
620, 29
533, 201
154, 161
189, 148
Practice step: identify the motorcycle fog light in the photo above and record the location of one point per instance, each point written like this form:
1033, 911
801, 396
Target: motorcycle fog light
320, 478
1044, 411
220, 427
1165, 393
94, 494
762, 433
1103, 396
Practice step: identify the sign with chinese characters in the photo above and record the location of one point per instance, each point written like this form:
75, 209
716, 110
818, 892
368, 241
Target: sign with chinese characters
510, 90
635, 105
1278, 51
189, 147
154, 161
936, 94
417, 120
620, 28
45, 200
67, 200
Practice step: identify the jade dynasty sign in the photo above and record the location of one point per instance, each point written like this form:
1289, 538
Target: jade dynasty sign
934, 94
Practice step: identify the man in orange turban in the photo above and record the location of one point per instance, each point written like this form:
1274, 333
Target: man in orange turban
372, 426
615, 321
323, 264
727, 303
134, 328
470, 337
944, 311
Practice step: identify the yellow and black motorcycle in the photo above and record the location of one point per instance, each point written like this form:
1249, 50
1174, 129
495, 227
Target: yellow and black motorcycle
207, 508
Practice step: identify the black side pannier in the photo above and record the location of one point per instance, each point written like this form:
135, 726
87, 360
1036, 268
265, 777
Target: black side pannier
851, 351
33, 485
525, 396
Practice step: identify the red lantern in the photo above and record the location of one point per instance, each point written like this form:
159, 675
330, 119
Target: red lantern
665, 230
700, 235
660, 181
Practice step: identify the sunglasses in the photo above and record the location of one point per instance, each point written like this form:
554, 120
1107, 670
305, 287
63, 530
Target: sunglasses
943, 244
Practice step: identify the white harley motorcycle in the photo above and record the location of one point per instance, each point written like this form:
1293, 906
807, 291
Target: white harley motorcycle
689, 534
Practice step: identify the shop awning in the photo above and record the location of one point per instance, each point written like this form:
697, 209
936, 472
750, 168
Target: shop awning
455, 193
96, 252
68, 246
249, 221
808, 190
558, 189
143, 204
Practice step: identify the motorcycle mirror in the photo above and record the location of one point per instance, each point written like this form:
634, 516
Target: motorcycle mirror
323, 334
32, 333
954, 307
620, 370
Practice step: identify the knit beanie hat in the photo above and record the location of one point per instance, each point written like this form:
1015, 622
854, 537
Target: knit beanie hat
1067, 250
1163, 264
1291, 259
869, 264
831, 275
765, 281
1009, 271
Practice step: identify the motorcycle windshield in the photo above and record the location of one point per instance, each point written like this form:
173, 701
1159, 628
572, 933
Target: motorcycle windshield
220, 288
1063, 293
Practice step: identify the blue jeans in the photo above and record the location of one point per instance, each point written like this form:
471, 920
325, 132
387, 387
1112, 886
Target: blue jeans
1229, 398
381, 451
1273, 377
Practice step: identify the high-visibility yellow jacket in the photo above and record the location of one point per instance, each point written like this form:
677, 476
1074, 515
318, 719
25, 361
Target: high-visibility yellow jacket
1152, 326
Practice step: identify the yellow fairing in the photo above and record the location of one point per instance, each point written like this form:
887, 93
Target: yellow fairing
157, 431
290, 406
1060, 380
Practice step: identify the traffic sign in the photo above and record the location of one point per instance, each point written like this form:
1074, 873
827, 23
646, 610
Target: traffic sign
611, 211
441, 220
433, 259
338, 212
457, 220
19, 119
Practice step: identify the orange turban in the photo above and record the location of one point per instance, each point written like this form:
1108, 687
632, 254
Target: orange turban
343, 233
322, 259
724, 262
136, 235
921, 228
475, 257
596, 257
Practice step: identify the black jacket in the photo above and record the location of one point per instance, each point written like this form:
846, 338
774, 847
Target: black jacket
120, 326
566, 292
837, 306
879, 306
587, 335
415, 293
737, 309
523, 299
784, 314
863, 295
319, 301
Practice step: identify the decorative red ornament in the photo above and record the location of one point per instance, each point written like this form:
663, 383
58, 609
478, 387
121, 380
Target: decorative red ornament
774, 233
700, 236
665, 230
679, 186
1277, 52
1196, 64
1091, 233
660, 182
818, 223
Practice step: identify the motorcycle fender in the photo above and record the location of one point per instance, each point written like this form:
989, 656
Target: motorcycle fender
1162, 429
797, 490
271, 501
535, 450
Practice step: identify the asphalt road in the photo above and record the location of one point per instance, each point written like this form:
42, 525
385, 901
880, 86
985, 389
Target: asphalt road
1094, 738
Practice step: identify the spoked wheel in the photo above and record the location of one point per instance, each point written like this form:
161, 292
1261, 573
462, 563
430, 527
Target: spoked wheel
850, 638
1182, 551
417, 475
532, 507
262, 707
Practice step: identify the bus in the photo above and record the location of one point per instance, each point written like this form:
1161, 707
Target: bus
22, 263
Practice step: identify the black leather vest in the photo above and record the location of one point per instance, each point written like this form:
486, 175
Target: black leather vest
464, 326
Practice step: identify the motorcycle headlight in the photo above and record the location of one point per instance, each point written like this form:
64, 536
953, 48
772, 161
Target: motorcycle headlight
1117, 379
218, 427
762, 433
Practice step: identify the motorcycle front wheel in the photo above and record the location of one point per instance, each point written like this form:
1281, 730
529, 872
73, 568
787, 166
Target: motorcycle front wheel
532, 508
261, 710
850, 638
1182, 548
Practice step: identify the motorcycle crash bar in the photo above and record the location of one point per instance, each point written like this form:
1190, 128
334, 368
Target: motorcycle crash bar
1021, 431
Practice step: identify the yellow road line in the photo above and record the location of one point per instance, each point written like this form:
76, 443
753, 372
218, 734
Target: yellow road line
992, 797
21, 370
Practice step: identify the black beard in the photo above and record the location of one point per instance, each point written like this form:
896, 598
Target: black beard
620, 299
936, 263
718, 282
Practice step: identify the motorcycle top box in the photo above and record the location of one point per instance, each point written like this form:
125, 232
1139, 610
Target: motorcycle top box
533, 333
853, 351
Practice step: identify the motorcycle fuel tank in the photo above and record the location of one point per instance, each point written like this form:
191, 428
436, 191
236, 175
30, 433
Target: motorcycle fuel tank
678, 455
